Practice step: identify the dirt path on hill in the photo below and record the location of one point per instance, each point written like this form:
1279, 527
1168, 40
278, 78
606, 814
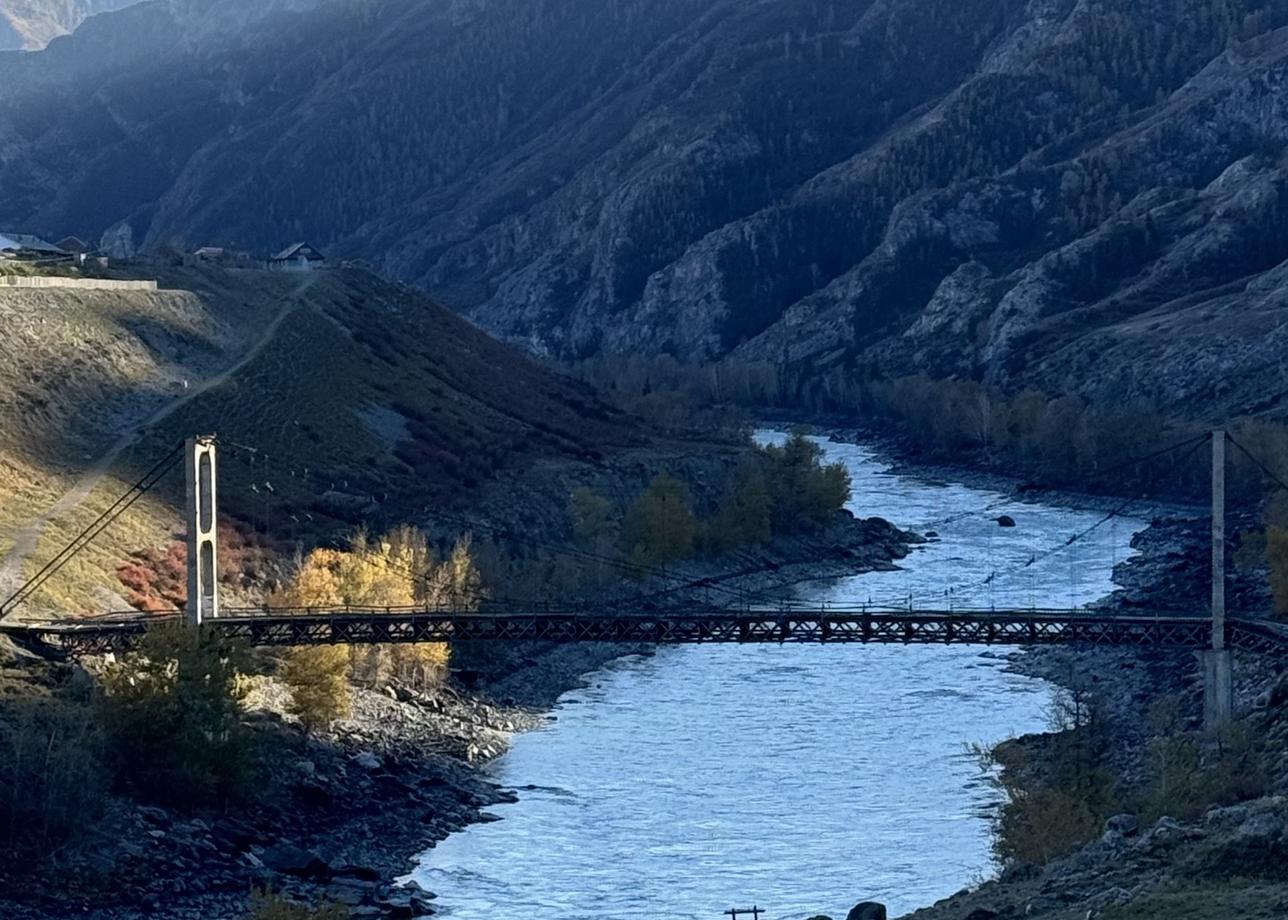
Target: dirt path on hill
27, 537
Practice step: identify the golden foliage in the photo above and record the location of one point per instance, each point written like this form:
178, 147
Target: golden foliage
396, 570
319, 685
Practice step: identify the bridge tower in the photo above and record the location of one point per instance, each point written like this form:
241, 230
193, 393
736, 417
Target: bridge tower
1218, 676
201, 511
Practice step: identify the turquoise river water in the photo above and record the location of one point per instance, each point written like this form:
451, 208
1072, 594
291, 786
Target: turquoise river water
800, 778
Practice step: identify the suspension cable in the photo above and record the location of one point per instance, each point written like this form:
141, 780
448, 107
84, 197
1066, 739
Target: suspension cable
99, 524
1261, 466
1115, 512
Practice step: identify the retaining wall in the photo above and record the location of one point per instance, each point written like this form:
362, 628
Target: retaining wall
84, 284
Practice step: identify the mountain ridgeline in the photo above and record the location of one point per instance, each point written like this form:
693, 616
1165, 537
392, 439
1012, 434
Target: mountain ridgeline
31, 24
1084, 196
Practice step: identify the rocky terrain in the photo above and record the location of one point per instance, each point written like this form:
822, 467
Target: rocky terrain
31, 24
1228, 861
1085, 196
341, 815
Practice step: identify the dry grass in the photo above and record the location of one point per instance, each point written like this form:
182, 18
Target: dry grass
90, 365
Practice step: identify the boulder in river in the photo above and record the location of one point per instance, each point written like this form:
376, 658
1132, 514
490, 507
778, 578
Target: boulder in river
868, 910
1005, 520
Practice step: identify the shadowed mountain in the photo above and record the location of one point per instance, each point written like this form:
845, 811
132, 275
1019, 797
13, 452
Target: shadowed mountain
32, 24
1080, 195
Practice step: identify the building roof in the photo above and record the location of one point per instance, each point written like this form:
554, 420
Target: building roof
75, 245
25, 242
296, 250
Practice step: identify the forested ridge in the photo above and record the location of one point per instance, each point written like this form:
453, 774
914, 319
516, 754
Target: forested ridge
1075, 195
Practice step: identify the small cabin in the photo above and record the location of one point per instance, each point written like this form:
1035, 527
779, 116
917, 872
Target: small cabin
81, 252
300, 257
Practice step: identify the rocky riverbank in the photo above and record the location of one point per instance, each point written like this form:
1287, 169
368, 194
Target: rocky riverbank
1229, 857
339, 816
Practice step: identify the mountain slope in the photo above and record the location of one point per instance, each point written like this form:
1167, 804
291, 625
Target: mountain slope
339, 398
32, 24
1033, 192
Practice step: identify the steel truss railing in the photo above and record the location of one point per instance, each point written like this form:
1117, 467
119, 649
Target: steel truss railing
368, 626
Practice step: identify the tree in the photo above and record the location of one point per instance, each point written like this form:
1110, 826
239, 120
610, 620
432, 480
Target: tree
318, 679
456, 583
660, 526
805, 492
745, 514
1053, 805
171, 712
52, 779
1277, 559
595, 523
396, 570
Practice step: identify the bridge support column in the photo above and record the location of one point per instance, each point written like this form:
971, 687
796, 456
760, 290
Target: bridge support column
1218, 675
201, 512
1218, 689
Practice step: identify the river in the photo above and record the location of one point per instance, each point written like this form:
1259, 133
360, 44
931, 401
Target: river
799, 778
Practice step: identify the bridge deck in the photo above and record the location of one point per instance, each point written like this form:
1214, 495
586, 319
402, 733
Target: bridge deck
379, 626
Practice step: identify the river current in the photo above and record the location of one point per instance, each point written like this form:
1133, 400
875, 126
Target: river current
802, 779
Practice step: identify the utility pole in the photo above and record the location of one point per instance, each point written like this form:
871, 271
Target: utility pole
1218, 678
201, 512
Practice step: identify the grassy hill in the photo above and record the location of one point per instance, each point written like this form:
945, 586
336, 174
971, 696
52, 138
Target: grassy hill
340, 398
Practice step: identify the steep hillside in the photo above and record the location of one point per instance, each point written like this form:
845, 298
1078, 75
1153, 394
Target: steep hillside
1082, 195
339, 399
32, 24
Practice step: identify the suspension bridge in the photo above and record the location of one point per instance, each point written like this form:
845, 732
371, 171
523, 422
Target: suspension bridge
661, 617
682, 625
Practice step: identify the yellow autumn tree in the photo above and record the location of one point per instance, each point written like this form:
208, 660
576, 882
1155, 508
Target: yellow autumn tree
318, 677
395, 570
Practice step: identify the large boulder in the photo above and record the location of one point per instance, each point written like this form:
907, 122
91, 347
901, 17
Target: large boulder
293, 860
1123, 824
868, 910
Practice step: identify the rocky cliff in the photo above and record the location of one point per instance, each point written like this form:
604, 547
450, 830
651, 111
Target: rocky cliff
1082, 195
32, 24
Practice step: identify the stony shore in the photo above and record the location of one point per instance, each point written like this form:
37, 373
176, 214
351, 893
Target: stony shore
341, 817
1231, 861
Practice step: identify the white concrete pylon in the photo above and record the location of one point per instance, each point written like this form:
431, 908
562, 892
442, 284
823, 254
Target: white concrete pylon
201, 513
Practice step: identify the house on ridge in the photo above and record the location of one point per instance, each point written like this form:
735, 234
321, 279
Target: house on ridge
299, 257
